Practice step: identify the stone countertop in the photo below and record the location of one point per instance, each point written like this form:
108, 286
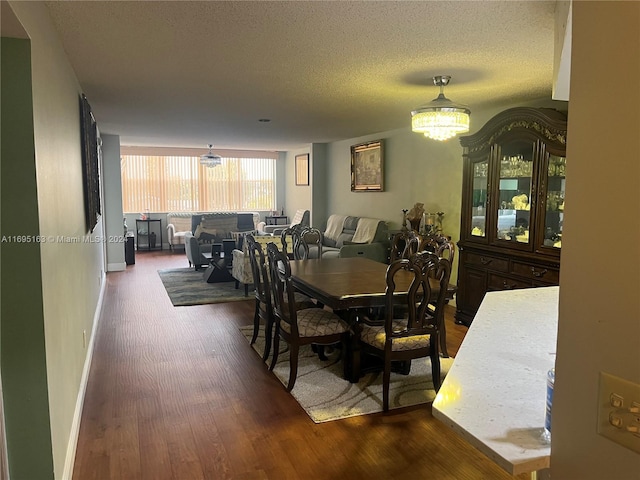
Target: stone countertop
495, 392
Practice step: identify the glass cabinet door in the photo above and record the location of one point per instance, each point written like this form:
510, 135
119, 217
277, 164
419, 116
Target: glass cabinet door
554, 207
479, 199
513, 209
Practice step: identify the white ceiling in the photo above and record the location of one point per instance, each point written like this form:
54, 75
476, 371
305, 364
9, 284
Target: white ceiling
185, 73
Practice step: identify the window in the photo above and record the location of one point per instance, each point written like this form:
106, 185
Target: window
161, 183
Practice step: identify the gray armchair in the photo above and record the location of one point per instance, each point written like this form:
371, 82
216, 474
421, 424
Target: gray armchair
197, 254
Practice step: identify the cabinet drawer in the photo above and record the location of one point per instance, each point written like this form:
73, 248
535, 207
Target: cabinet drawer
500, 282
536, 272
488, 262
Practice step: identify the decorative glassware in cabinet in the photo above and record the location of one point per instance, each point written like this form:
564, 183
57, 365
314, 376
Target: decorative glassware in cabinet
479, 199
554, 212
514, 196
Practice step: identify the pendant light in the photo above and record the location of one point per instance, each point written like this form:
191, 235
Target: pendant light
210, 160
440, 119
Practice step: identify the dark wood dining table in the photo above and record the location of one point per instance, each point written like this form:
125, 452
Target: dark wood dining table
350, 287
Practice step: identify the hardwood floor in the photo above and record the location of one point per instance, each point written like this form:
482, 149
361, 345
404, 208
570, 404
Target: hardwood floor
178, 393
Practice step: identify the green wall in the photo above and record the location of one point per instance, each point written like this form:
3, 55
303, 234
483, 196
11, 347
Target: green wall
24, 375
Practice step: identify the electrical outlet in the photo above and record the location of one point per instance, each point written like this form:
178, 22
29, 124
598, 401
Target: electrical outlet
619, 411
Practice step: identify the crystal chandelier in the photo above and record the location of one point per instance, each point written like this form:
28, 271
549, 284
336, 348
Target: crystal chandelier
210, 160
440, 119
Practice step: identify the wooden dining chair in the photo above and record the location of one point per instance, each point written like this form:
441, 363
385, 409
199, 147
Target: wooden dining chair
264, 300
442, 246
292, 234
298, 327
417, 334
310, 243
404, 244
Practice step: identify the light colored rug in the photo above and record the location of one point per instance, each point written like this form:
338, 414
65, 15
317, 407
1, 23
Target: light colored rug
185, 287
325, 395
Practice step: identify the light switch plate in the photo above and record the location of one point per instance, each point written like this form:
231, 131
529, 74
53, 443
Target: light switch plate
618, 419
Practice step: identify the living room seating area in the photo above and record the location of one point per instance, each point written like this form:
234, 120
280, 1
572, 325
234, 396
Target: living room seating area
215, 228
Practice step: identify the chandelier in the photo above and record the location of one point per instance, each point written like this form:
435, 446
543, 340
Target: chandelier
210, 160
440, 119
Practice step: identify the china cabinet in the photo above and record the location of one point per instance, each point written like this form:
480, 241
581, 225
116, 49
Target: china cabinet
512, 205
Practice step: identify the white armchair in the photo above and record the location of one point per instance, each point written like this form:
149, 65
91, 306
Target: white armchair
178, 224
301, 217
241, 268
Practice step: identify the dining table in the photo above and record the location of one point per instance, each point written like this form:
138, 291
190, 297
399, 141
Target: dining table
351, 287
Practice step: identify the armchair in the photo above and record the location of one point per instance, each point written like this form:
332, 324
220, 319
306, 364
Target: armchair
178, 224
302, 217
197, 254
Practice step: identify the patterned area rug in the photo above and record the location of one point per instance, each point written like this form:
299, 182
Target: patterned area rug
325, 395
185, 287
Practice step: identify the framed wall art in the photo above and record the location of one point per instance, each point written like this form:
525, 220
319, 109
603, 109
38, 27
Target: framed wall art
367, 167
90, 168
302, 169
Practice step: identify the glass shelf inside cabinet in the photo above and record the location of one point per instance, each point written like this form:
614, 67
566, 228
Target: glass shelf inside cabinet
554, 212
514, 207
479, 199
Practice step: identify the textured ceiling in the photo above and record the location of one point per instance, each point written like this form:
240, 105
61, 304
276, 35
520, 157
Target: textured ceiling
186, 73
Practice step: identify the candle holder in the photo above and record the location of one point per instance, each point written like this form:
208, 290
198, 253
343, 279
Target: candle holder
432, 223
404, 221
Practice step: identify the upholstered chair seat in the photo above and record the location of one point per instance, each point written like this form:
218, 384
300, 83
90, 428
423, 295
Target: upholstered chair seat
376, 337
313, 322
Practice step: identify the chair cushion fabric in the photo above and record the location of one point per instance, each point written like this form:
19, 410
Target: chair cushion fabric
376, 337
315, 322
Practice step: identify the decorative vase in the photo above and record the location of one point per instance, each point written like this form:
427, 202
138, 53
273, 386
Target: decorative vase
415, 224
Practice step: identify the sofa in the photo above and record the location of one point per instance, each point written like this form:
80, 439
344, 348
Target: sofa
224, 224
349, 236
212, 229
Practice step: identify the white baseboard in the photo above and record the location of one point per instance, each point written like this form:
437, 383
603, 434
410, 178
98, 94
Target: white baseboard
116, 267
77, 415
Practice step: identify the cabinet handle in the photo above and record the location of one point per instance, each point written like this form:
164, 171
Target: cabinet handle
538, 274
506, 286
485, 261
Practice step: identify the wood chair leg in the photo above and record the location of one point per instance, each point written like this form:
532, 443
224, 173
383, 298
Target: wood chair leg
246, 289
256, 323
268, 339
276, 346
293, 366
435, 372
443, 340
386, 379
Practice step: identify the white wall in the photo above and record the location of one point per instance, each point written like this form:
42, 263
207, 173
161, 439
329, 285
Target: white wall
112, 208
599, 315
72, 273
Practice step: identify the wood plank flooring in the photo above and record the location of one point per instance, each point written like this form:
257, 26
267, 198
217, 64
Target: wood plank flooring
178, 393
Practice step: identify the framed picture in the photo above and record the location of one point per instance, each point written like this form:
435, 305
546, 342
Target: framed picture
367, 167
90, 159
302, 169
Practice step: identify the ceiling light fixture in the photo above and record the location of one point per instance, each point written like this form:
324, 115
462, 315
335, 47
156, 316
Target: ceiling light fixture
440, 119
210, 160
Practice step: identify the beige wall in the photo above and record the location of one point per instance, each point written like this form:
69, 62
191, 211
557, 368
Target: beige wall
599, 316
72, 273
417, 169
